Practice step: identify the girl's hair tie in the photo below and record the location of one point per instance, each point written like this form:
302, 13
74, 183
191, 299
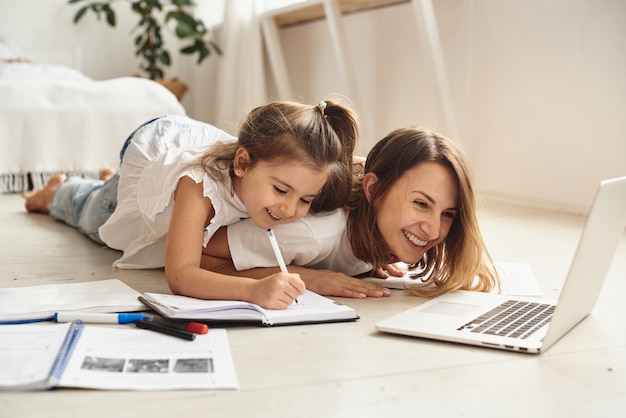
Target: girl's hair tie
322, 106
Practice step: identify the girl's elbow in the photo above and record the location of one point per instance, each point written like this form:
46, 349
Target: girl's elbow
174, 282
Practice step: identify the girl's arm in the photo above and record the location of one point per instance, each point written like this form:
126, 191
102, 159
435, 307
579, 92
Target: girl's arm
216, 257
183, 255
323, 282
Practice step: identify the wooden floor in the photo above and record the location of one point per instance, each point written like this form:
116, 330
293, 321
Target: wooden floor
349, 369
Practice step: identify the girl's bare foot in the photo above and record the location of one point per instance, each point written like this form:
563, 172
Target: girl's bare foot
107, 173
40, 200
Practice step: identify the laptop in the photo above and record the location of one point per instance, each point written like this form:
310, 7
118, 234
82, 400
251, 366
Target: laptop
490, 320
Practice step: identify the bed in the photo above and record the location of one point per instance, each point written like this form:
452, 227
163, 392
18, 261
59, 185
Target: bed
55, 119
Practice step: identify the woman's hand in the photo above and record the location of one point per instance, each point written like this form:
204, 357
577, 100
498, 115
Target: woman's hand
396, 269
322, 282
331, 283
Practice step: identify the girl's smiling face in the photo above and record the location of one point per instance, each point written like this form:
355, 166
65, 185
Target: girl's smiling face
278, 192
417, 212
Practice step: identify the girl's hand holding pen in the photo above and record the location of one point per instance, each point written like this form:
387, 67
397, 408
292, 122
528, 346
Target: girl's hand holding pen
277, 291
279, 255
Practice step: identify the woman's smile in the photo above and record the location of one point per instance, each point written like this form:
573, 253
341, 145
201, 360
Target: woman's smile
414, 240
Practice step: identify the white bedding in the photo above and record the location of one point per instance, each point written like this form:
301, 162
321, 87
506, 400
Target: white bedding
24, 70
61, 121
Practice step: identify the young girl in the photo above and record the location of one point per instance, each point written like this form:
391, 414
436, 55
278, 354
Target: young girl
413, 203
181, 179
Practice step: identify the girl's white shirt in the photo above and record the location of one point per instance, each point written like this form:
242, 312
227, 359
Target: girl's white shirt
159, 154
318, 241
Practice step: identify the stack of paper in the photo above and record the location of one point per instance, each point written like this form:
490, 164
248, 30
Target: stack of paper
33, 303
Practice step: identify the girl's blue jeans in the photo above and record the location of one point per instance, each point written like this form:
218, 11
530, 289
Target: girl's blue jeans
85, 204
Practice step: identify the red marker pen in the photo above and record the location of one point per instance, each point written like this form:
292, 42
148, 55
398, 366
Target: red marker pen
195, 327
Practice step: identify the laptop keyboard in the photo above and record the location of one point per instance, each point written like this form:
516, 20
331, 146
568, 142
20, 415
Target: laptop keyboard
512, 318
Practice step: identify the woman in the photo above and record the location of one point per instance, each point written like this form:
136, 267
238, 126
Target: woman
414, 203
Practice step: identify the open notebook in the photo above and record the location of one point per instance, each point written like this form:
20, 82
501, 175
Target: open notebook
311, 308
78, 355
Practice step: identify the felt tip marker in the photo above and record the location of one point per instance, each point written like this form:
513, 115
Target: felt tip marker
195, 327
163, 329
98, 318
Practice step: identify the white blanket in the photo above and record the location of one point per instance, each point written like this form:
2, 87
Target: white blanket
23, 70
49, 126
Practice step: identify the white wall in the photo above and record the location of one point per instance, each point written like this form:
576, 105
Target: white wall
549, 86
539, 87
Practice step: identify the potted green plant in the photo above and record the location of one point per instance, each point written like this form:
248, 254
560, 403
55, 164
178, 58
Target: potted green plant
154, 15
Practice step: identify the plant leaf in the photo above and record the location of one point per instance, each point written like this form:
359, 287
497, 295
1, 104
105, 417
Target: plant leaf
184, 30
110, 14
164, 58
203, 53
215, 47
189, 49
80, 13
182, 3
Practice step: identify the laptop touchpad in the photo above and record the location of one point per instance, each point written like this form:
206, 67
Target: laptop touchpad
450, 308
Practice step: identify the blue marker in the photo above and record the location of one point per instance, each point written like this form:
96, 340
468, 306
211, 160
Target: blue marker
98, 318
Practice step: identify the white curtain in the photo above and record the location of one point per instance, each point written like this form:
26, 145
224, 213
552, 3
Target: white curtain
241, 74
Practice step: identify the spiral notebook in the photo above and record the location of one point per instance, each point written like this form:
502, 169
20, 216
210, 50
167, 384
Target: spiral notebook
72, 354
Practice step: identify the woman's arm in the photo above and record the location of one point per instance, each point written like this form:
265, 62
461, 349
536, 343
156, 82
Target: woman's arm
183, 256
216, 257
323, 282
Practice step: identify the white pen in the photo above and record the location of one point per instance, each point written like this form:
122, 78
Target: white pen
278, 254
